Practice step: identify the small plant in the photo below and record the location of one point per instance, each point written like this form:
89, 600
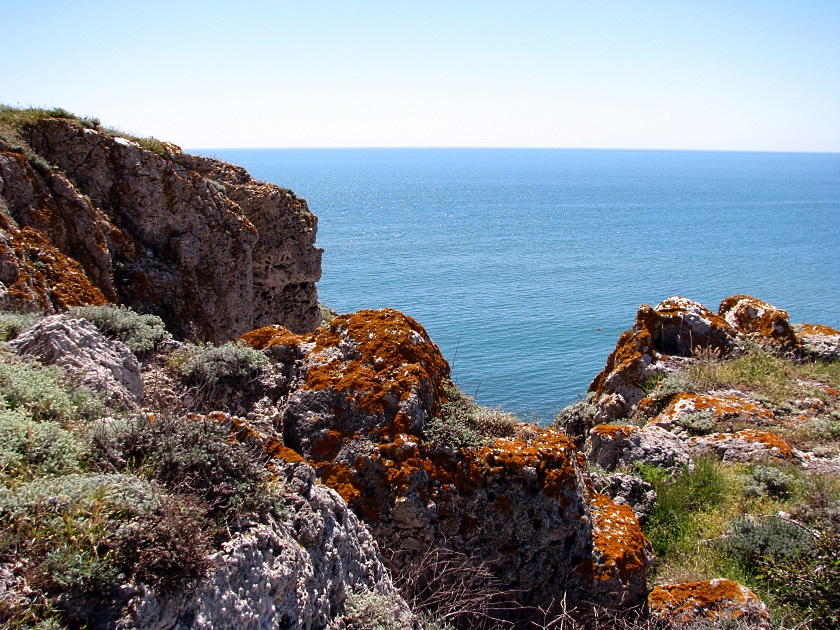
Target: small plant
767, 480
33, 449
452, 433
44, 393
652, 383
139, 333
189, 454
206, 365
697, 423
13, 324
576, 420
750, 540
369, 610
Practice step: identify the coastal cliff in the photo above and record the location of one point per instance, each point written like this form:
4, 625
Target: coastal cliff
90, 216
330, 474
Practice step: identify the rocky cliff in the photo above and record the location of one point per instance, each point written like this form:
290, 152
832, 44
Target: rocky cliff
89, 217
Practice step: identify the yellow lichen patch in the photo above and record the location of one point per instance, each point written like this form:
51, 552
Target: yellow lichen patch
620, 547
771, 440
614, 431
711, 599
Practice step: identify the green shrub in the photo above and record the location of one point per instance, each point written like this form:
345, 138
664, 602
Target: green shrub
194, 455
768, 480
76, 539
670, 523
13, 324
576, 420
206, 365
452, 433
139, 333
37, 390
369, 610
750, 541
697, 423
488, 422
31, 449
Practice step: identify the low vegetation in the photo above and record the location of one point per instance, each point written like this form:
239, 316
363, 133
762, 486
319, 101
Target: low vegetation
463, 423
139, 333
206, 365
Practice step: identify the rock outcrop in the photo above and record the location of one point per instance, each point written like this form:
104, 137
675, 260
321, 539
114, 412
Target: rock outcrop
710, 600
364, 389
614, 446
93, 217
293, 574
101, 364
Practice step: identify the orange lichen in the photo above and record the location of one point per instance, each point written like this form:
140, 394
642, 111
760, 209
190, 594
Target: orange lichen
275, 335
340, 478
619, 544
758, 318
614, 431
722, 407
711, 599
771, 440
326, 447
816, 329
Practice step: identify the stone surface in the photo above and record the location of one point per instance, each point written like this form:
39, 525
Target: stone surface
676, 326
362, 391
746, 446
100, 363
292, 574
718, 599
193, 240
614, 446
758, 320
818, 342
627, 490
723, 408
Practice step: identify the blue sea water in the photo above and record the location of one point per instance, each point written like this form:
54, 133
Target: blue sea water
525, 265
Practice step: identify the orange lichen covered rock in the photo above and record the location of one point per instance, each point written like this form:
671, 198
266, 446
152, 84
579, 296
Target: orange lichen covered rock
759, 320
708, 600
818, 342
676, 326
729, 408
747, 446
361, 396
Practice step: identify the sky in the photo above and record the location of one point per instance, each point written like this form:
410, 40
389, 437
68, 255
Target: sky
696, 75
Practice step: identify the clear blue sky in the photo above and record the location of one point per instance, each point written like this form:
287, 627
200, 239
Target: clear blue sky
702, 74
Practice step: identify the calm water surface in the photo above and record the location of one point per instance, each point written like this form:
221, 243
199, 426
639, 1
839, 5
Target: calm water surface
525, 265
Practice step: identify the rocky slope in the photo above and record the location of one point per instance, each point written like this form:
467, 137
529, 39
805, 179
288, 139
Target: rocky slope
90, 217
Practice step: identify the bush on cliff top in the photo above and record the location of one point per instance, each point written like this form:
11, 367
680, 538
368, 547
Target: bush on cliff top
206, 365
139, 333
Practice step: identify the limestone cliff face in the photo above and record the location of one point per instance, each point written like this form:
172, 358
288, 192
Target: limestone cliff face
194, 240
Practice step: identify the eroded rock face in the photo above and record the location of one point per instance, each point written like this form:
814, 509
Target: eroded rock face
628, 490
191, 239
292, 574
720, 408
818, 342
745, 446
710, 600
613, 446
363, 390
104, 365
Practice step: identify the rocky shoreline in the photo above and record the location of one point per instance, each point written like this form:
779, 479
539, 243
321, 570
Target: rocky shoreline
332, 474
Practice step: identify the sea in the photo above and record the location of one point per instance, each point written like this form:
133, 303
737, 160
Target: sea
525, 265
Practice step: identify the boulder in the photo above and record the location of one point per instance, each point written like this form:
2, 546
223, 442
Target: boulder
710, 600
724, 408
362, 392
745, 446
818, 342
760, 321
614, 446
676, 326
627, 490
294, 573
102, 364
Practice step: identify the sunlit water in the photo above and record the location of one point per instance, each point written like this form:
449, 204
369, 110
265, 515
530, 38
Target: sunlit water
525, 265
